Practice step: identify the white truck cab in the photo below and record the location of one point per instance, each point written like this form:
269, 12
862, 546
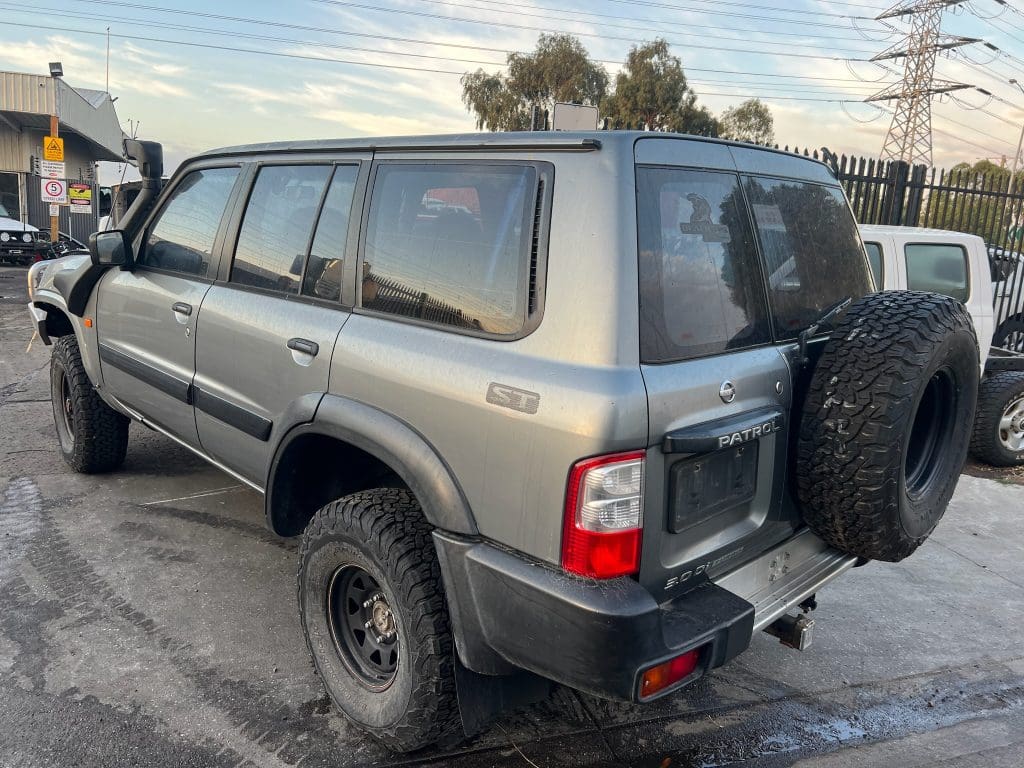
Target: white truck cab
952, 263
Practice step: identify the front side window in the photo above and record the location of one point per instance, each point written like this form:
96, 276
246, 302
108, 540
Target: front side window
700, 287
323, 269
276, 226
937, 268
450, 244
875, 260
182, 238
811, 247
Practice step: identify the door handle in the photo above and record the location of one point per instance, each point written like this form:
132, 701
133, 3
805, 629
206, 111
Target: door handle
305, 346
182, 308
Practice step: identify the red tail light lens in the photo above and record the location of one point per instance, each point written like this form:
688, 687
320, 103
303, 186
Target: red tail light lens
604, 516
657, 679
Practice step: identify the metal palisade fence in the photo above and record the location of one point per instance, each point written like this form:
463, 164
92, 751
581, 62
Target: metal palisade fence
988, 204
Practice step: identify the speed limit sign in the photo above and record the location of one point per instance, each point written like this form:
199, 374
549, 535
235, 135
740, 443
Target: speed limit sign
54, 191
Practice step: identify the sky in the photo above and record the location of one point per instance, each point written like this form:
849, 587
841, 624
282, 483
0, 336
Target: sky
197, 75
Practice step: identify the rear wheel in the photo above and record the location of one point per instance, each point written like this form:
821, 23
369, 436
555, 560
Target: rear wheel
374, 615
886, 423
998, 437
93, 436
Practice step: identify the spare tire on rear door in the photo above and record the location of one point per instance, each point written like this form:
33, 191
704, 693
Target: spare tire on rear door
886, 423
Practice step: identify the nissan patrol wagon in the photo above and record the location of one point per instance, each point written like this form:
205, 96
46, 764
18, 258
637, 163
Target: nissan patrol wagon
589, 408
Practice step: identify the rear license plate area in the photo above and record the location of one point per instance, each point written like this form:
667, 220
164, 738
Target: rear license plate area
710, 484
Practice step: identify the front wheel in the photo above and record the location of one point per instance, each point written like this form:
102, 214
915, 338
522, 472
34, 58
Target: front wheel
374, 616
93, 436
998, 437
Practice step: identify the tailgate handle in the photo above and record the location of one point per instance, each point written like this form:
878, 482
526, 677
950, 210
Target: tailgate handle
724, 433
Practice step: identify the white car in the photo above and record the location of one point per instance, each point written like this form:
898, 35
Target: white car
958, 265
17, 240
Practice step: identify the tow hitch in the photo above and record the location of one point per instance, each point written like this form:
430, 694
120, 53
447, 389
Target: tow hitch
795, 631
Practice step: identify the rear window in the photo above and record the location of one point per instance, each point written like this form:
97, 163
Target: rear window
700, 286
450, 244
813, 254
937, 268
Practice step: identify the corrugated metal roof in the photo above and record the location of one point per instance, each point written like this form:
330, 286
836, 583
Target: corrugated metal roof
27, 100
20, 92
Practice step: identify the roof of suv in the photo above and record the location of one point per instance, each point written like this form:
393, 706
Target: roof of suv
580, 141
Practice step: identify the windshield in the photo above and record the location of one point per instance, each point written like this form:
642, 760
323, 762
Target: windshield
812, 252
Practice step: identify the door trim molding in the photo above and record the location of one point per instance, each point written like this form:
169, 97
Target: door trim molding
233, 415
165, 382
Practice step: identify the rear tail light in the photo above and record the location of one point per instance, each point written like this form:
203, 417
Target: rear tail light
667, 674
604, 516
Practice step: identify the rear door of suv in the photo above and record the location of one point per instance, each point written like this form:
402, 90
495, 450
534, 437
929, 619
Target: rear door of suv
735, 260
269, 324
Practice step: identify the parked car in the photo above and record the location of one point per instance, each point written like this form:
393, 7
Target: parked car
959, 265
20, 243
590, 408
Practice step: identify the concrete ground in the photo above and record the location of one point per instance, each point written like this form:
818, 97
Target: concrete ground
147, 618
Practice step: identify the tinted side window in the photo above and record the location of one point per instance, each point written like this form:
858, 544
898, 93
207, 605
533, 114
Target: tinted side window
701, 291
324, 266
937, 268
875, 260
182, 237
276, 226
813, 254
450, 244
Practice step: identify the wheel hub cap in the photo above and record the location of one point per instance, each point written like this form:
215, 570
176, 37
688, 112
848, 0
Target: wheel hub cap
382, 619
1011, 426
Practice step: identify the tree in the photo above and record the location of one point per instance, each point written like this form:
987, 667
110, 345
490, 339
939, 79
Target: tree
750, 121
557, 70
651, 90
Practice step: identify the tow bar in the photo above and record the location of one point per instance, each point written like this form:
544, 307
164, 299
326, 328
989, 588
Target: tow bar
795, 631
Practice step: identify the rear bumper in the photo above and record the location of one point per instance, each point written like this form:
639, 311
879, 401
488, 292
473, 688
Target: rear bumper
600, 636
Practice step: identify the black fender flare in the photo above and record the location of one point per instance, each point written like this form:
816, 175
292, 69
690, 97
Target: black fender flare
394, 443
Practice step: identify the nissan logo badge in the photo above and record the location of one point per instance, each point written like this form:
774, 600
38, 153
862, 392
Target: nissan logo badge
727, 392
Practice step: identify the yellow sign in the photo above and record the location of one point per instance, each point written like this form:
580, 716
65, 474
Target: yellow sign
53, 149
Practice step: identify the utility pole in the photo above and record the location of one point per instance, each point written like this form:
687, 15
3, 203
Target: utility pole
910, 134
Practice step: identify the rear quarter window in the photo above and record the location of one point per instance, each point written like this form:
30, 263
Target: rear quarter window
450, 244
874, 251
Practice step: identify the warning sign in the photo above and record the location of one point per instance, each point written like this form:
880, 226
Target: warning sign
53, 149
54, 191
80, 197
50, 169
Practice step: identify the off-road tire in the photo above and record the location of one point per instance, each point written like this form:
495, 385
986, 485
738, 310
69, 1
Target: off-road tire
98, 438
886, 423
996, 394
384, 533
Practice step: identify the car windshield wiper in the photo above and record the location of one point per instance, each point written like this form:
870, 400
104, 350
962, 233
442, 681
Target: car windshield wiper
827, 316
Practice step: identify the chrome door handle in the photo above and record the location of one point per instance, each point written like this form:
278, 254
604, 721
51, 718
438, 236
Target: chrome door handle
305, 346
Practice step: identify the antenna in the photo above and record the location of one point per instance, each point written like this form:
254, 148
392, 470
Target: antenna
108, 61
910, 133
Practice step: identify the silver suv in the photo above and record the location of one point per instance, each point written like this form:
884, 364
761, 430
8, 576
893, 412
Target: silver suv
586, 408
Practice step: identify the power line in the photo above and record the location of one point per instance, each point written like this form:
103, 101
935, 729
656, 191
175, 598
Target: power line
509, 25
659, 29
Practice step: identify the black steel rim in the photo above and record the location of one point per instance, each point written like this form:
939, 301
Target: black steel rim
930, 434
65, 405
363, 626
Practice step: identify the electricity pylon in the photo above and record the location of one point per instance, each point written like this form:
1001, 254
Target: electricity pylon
910, 133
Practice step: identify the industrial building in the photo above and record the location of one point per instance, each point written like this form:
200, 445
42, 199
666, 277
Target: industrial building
89, 126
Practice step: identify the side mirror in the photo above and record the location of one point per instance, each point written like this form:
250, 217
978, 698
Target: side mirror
110, 249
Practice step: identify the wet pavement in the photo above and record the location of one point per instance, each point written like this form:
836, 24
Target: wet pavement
148, 618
